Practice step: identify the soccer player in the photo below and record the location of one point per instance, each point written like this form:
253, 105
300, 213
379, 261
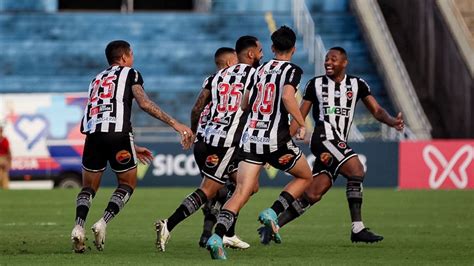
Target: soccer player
266, 139
109, 138
223, 57
222, 133
333, 99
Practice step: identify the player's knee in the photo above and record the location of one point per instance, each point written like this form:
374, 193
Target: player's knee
255, 189
313, 196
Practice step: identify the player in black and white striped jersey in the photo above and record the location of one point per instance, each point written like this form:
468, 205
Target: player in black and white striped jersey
333, 99
222, 133
223, 57
266, 138
109, 138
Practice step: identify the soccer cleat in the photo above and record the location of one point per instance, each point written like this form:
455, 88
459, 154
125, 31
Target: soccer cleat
234, 242
78, 238
162, 234
99, 229
265, 235
269, 219
365, 236
215, 247
203, 240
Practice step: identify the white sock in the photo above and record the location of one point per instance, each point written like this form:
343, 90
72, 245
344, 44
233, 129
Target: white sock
357, 227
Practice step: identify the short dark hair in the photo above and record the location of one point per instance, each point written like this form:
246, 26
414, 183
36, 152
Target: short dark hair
245, 42
339, 49
222, 51
283, 39
115, 50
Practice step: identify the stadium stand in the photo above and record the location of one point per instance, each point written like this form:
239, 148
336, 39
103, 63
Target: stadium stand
44, 51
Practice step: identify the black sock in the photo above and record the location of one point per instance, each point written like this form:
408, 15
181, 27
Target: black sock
284, 201
354, 197
224, 222
231, 231
190, 205
210, 218
117, 201
83, 203
297, 208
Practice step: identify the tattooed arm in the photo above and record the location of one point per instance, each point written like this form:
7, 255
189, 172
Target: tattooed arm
150, 107
203, 99
154, 110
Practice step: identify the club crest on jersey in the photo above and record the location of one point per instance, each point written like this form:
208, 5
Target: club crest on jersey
285, 159
212, 160
123, 157
326, 158
342, 145
349, 95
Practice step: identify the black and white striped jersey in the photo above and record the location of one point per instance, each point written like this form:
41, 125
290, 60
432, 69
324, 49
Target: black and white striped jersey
224, 127
334, 103
204, 117
267, 126
110, 101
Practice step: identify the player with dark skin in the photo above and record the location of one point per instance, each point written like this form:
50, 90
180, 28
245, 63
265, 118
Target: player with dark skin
335, 64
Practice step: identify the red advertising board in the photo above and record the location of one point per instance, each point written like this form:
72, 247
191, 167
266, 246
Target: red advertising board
436, 164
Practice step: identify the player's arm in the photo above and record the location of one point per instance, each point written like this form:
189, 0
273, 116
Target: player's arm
291, 106
154, 110
245, 101
144, 155
9, 156
381, 114
305, 107
203, 99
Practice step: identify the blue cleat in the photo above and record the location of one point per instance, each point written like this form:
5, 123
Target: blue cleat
269, 219
215, 246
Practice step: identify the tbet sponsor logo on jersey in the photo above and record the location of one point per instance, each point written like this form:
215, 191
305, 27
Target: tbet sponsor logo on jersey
437, 165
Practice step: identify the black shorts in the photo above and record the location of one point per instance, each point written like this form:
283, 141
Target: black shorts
330, 154
219, 163
116, 148
284, 158
199, 152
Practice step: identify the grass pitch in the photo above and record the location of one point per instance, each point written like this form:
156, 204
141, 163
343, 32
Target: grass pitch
420, 227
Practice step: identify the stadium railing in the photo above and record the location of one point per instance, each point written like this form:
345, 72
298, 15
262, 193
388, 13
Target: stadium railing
399, 84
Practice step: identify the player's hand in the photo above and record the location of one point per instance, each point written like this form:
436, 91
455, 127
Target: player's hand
399, 124
186, 135
293, 128
300, 133
144, 155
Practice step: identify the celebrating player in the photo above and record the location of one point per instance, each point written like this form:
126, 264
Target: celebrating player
222, 133
109, 138
266, 139
333, 98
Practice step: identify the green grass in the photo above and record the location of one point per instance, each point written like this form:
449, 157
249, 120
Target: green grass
420, 227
